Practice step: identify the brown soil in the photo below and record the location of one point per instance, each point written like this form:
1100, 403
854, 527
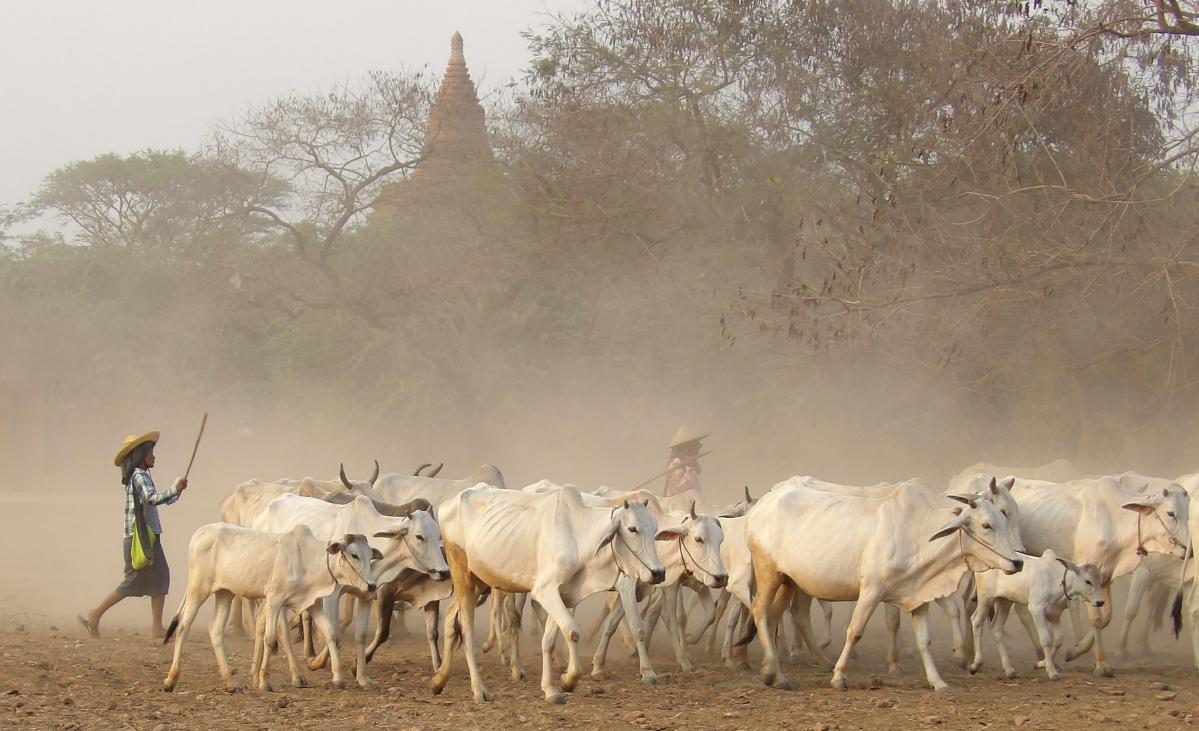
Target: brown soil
53, 677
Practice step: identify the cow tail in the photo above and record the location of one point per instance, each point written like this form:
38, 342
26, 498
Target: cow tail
1176, 612
174, 625
751, 629
456, 628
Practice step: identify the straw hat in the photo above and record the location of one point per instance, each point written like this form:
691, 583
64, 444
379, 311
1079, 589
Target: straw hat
131, 443
684, 435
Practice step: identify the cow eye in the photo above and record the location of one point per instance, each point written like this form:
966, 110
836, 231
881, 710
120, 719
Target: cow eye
1089, 583
986, 526
1170, 513
699, 540
420, 538
632, 529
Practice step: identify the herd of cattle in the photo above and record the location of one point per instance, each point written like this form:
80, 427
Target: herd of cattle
302, 552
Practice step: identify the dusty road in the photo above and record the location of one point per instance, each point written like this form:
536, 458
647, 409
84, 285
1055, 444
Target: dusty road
52, 677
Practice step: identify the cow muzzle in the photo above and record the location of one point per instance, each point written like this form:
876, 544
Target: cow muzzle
370, 587
439, 575
1018, 563
657, 576
1098, 602
719, 581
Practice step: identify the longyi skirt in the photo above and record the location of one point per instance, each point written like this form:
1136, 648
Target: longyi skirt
152, 580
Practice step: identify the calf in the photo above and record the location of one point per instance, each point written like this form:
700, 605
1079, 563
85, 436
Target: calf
1043, 589
291, 570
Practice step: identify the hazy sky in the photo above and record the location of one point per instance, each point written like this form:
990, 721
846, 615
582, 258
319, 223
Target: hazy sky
79, 78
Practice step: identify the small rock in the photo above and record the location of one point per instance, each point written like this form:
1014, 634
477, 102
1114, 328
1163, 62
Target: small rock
597, 690
1174, 712
1158, 685
112, 706
200, 696
933, 720
821, 727
1021, 721
282, 702
68, 700
1111, 691
13, 691
885, 703
394, 689
1167, 696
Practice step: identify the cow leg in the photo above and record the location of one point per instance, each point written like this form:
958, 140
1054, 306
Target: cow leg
1192, 611
308, 631
826, 609
674, 629
558, 615
384, 607
722, 605
653, 613
1002, 609
801, 614
431, 611
362, 619
766, 612
467, 588
1045, 634
293, 666
495, 620
1100, 618
1031, 629
612, 614
510, 639
271, 611
548, 638
191, 605
216, 633
1136, 594
239, 627
867, 603
976, 629
626, 588
891, 617
733, 656
955, 610
923, 643
327, 626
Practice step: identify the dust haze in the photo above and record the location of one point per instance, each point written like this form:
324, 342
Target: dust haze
832, 277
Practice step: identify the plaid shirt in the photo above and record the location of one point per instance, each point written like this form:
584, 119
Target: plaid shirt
151, 497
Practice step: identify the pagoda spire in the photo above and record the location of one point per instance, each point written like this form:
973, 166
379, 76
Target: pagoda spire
455, 133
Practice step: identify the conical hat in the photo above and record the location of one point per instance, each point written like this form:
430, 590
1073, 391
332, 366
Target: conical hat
131, 443
684, 435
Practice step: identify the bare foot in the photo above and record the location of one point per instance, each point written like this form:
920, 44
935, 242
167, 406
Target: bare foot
92, 627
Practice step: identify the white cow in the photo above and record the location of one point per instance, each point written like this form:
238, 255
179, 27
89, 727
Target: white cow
291, 570
412, 543
1155, 580
874, 549
691, 550
397, 489
551, 546
1101, 522
1059, 470
1043, 589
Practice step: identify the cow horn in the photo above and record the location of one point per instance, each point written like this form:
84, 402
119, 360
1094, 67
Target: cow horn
693, 515
626, 504
436, 470
748, 498
344, 480
417, 471
375, 474
967, 499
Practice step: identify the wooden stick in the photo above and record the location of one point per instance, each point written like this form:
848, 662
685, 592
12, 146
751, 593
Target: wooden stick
666, 471
193, 459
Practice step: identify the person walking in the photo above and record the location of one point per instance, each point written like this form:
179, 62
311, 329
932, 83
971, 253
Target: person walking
136, 459
683, 470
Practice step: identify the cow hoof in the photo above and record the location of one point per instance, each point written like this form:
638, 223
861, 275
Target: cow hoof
1070, 654
688, 667
266, 688
1104, 671
518, 675
482, 697
649, 678
743, 665
233, 688
569, 681
1010, 674
488, 644
893, 670
782, 684
168, 688
599, 675
974, 666
339, 684
1055, 676
839, 682
300, 682
940, 687
557, 699
1040, 665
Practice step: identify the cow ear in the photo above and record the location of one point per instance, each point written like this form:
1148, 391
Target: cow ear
950, 528
1008, 483
1069, 566
645, 503
994, 487
626, 504
748, 498
609, 534
376, 554
1165, 492
1144, 506
669, 534
335, 547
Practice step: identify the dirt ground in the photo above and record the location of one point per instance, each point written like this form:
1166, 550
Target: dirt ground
53, 677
